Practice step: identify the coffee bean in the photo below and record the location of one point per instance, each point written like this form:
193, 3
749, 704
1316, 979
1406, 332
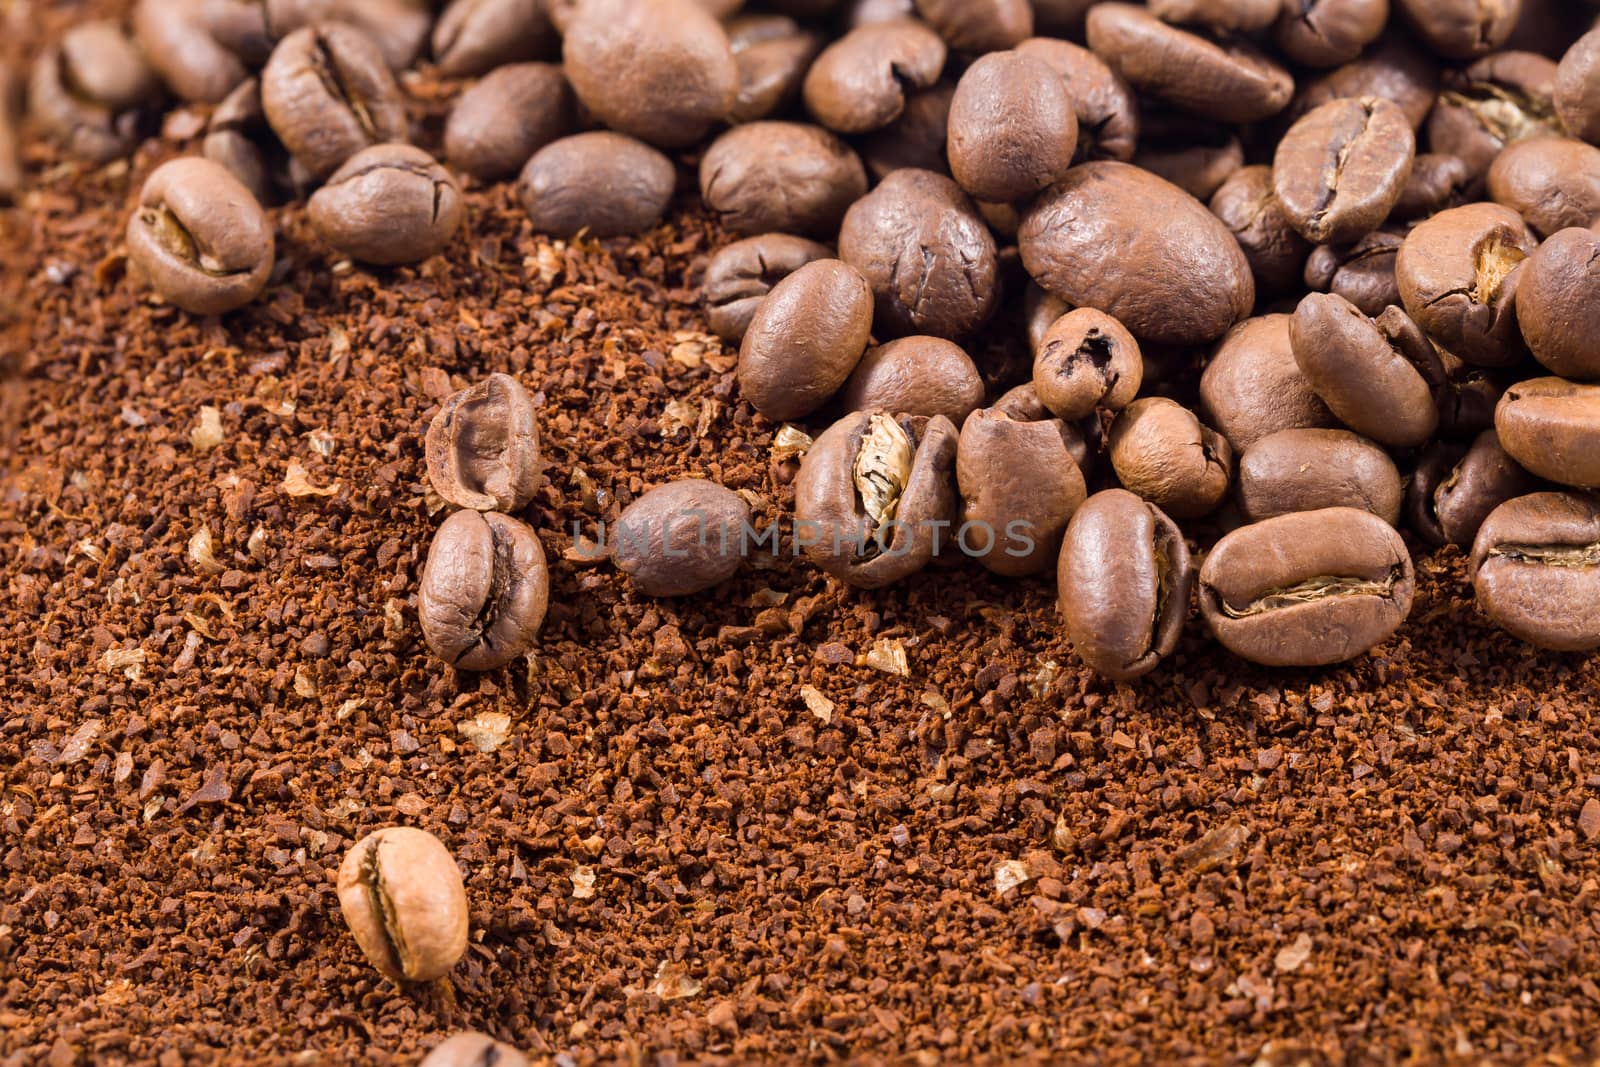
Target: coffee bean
977, 26
861, 81
1113, 237
1249, 208
915, 376
1013, 129
484, 591
1252, 386
402, 897
875, 500
740, 276
1307, 589
917, 139
468, 1048
772, 54
606, 183
1577, 88
1558, 309
1019, 485
1552, 427
1392, 69
388, 204
1041, 310
1456, 487
200, 238
1437, 182
1196, 156
514, 111
1308, 470
238, 138
1087, 360
805, 339
1231, 82
476, 36
1376, 377
1461, 29
1362, 273
1457, 274
1220, 16
86, 93
180, 40
1340, 170
1536, 570
482, 447
1124, 579
1497, 101
927, 254
1467, 399
1552, 182
1163, 453
1326, 33
790, 177
1108, 114
681, 538
398, 28
328, 94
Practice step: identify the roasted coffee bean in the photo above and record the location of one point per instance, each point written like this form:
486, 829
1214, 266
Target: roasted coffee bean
1020, 482
1249, 208
86, 92
1040, 310
1552, 182
1558, 304
1577, 88
1124, 579
388, 204
916, 139
328, 94
1376, 377
1552, 427
602, 182
399, 28
1252, 386
1466, 400
1455, 488
1326, 33
976, 26
1195, 156
662, 72
1162, 452
916, 376
402, 897
482, 448
200, 238
1307, 470
1113, 237
1461, 29
740, 276
789, 177
875, 501
1013, 129
1108, 114
468, 1048
1436, 182
1086, 360
805, 339
476, 36
1536, 570
1340, 170
861, 82
927, 254
1457, 274
1497, 101
1219, 16
484, 591
198, 59
1085, 443
1231, 82
773, 54
681, 538
497, 125
1362, 273
1392, 69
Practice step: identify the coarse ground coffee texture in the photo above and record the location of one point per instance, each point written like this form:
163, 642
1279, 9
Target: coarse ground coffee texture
782, 822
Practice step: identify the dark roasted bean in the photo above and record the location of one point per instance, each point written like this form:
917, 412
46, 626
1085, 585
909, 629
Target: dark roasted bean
1340, 170
1020, 484
1376, 377
1552, 182
1307, 470
789, 177
862, 81
1162, 452
1249, 208
916, 376
1086, 360
1013, 129
1455, 487
497, 125
1252, 387
740, 276
1457, 274
1536, 570
603, 182
1558, 304
328, 94
805, 339
681, 538
483, 592
388, 204
1552, 427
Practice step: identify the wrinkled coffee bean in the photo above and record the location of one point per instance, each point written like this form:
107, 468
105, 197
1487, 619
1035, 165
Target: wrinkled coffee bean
916, 139
1552, 427
1457, 274
1552, 182
188, 44
1499, 100
1461, 29
916, 376
402, 897
1108, 114
1124, 579
662, 72
1340, 170
1362, 273
1086, 360
772, 54
1308, 470
484, 591
805, 339
740, 276
1013, 129
1113, 237
875, 500
602, 182
927, 254
1219, 16
86, 92
482, 448
681, 538
469, 1048
200, 238
788, 177
476, 36
1252, 386
1019, 484
1392, 69
1376, 377
1577, 88
1455, 488
1536, 570
1436, 182
1326, 33
1195, 156
328, 94
1558, 304
499, 123
388, 204
1307, 589
1163, 453
861, 82
1249, 208
977, 26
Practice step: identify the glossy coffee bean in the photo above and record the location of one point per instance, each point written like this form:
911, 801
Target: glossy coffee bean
1552, 427
1362, 273
402, 896
805, 339
1113, 237
484, 591
1437, 182
507, 116
1019, 484
917, 139
1307, 589
1455, 487
1536, 570
1558, 304
1252, 387
388, 204
1577, 88
86, 92
1013, 129
681, 538
602, 182
1108, 114
1307, 470
1376, 377
328, 94
976, 26
1461, 29
1124, 579
772, 53
1496, 101
916, 376
1393, 69
1326, 33
1457, 278
1220, 16
476, 36
927, 254
1552, 182
1340, 170
875, 497
788, 177
862, 81
468, 1048
482, 448
200, 238
183, 41
740, 276
1249, 208
1086, 360
1163, 453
